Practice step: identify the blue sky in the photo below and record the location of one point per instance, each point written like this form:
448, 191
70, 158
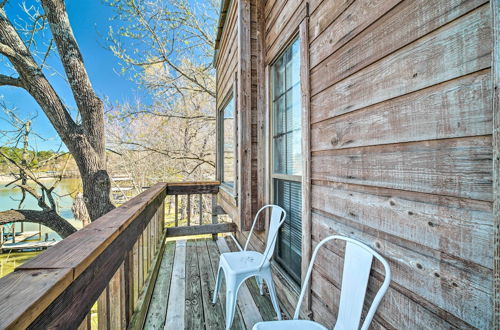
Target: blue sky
90, 20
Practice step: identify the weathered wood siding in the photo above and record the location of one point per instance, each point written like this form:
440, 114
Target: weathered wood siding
402, 155
401, 149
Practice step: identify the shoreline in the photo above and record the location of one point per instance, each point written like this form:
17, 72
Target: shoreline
6, 178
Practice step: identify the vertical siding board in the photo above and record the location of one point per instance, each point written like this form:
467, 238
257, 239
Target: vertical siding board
306, 154
495, 8
244, 115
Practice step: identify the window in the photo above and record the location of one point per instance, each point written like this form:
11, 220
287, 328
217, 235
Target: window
287, 156
227, 144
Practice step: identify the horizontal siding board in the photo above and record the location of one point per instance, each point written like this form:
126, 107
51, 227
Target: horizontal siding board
457, 108
443, 292
453, 227
336, 23
459, 48
454, 167
405, 23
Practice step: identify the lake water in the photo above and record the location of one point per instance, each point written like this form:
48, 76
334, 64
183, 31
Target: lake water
9, 199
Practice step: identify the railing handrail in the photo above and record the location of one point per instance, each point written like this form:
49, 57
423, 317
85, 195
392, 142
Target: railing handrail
195, 187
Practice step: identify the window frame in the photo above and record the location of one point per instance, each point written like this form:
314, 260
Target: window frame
270, 141
231, 189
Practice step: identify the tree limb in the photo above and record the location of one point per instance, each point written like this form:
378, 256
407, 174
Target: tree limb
49, 219
10, 81
39, 87
89, 105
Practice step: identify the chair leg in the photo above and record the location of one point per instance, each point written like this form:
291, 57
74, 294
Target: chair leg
217, 285
231, 297
272, 292
260, 284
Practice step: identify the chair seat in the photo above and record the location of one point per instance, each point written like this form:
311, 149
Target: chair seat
288, 325
243, 261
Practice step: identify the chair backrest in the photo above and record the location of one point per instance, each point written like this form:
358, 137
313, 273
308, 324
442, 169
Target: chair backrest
357, 264
278, 216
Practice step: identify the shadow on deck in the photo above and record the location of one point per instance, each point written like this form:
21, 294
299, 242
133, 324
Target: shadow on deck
183, 290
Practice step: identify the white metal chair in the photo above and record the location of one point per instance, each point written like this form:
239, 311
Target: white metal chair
357, 264
239, 266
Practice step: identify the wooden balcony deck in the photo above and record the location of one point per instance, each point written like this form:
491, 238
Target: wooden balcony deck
181, 298
124, 264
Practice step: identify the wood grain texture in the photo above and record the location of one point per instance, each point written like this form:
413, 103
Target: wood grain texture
194, 303
40, 286
175, 306
454, 167
243, 105
213, 313
202, 230
370, 30
306, 153
156, 314
185, 188
456, 108
455, 295
426, 220
495, 13
458, 48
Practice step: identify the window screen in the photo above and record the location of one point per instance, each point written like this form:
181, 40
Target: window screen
287, 156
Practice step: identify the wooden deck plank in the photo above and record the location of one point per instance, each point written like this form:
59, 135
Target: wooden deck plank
157, 311
194, 305
175, 307
249, 309
213, 313
214, 259
188, 272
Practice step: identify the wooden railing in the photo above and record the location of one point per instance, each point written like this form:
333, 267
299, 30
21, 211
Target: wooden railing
113, 261
195, 222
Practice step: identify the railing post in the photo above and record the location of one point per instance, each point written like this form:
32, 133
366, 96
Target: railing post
200, 207
215, 218
176, 210
189, 210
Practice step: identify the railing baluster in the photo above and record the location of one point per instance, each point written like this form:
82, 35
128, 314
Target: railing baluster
135, 274
103, 310
215, 218
189, 210
141, 262
200, 207
176, 210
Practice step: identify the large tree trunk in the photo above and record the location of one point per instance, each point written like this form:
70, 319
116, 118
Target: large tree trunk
85, 141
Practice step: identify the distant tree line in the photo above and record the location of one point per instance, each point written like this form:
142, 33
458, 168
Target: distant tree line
35, 158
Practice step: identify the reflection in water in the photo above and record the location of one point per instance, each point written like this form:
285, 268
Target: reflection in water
9, 199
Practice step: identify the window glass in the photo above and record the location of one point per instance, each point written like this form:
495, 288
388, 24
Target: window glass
287, 156
287, 113
228, 143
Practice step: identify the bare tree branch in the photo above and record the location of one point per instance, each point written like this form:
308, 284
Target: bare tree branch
10, 81
49, 219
